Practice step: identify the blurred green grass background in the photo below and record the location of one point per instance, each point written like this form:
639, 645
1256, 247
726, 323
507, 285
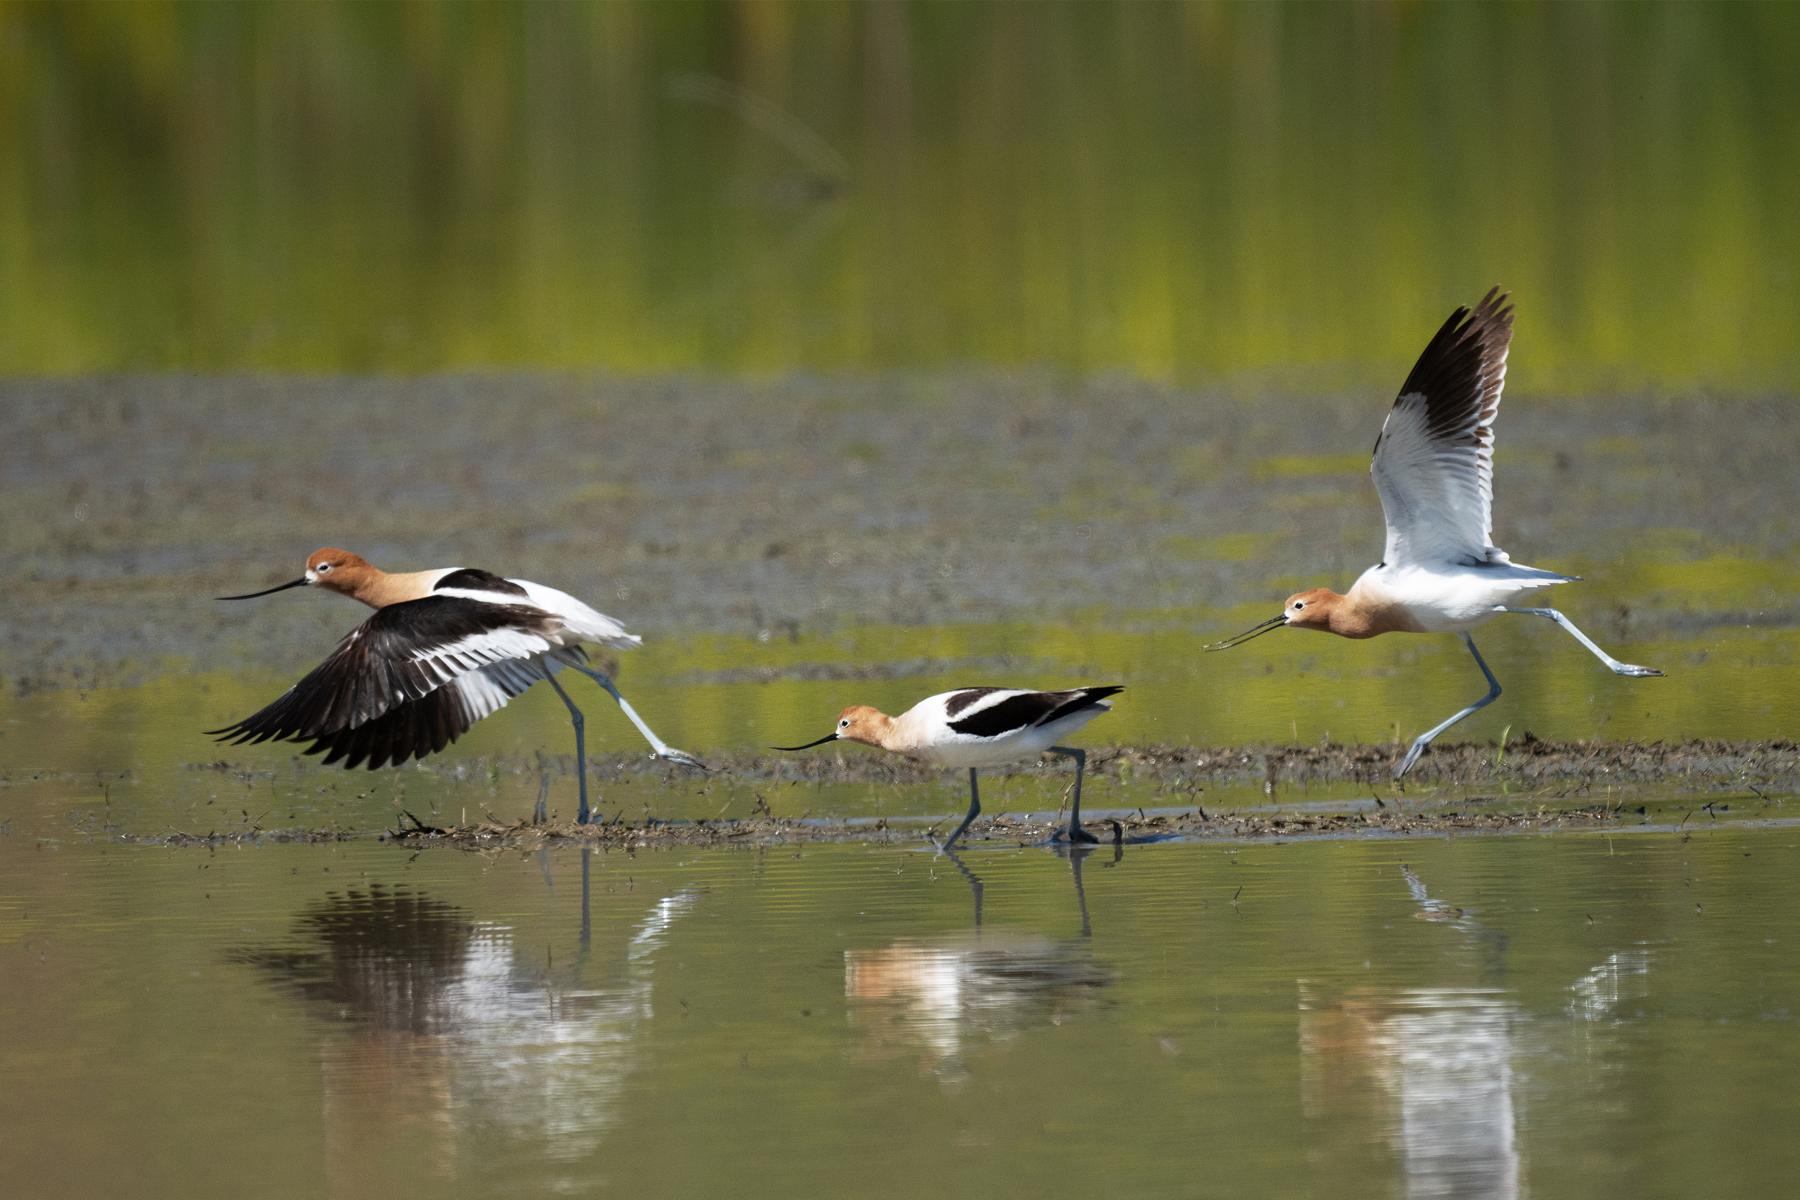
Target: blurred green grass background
1181, 191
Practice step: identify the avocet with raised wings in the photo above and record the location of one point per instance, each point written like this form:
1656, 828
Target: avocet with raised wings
1434, 468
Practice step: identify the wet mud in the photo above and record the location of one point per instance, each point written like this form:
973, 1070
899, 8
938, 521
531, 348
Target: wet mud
1531, 785
798, 507
1527, 762
1002, 829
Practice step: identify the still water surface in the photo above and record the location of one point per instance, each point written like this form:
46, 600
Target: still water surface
1556, 1016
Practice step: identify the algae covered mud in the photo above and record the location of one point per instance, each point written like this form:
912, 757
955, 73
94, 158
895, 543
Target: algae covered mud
788, 549
1148, 794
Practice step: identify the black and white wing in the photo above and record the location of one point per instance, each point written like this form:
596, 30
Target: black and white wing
586, 623
995, 712
409, 681
1434, 460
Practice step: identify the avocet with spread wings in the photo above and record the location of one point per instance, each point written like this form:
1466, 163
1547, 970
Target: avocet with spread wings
1434, 468
444, 649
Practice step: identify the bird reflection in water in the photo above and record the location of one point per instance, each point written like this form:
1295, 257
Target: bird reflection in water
454, 1031
1432, 1068
935, 996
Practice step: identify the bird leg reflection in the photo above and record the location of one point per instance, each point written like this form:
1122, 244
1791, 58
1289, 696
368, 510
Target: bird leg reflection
1077, 856
587, 927
974, 879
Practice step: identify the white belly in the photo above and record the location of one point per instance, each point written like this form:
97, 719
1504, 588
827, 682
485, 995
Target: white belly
1456, 599
995, 752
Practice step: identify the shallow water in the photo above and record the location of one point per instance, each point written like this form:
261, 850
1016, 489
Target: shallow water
1565, 1016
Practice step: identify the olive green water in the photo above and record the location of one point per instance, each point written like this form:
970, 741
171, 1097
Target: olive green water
1180, 190
1603, 1017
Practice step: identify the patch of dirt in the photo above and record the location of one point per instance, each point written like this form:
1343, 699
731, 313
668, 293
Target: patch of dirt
487, 835
1535, 785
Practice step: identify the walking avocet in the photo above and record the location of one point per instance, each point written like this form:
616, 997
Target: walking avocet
444, 649
981, 727
1434, 468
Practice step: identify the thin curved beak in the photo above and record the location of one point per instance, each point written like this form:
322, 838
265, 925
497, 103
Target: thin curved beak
300, 582
830, 737
1256, 632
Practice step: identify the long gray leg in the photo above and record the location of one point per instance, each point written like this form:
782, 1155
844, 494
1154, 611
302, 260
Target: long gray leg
974, 811
581, 814
1074, 832
1424, 739
662, 748
1613, 664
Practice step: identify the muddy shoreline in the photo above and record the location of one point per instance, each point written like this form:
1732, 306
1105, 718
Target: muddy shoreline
1532, 785
1527, 761
1446, 820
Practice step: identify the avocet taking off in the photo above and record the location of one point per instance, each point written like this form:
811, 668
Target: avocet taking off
444, 649
981, 727
1434, 468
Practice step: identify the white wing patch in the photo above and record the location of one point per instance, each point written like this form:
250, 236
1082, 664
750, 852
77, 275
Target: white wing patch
478, 650
502, 658
486, 691
588, 623
1437, 492
1434, 461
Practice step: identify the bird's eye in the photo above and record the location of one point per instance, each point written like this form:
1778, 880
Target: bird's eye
324, 567
1299, 604
844, 724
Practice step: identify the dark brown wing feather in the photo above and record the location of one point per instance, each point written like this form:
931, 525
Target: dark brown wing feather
382, 695
411, 730
1460, 374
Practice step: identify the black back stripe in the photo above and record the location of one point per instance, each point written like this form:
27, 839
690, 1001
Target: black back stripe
474, 579
1025, 710
1079, 699
962, 700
